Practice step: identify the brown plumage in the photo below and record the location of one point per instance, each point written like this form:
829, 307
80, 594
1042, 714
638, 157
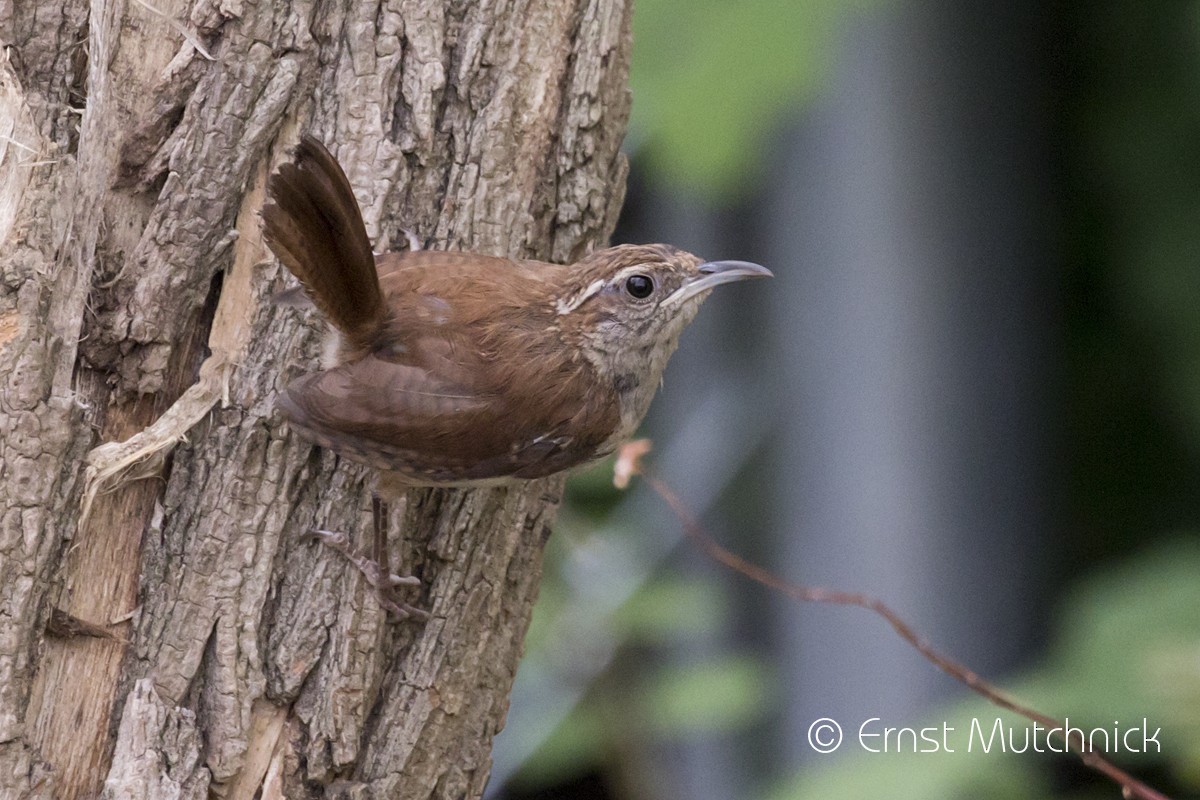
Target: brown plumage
457, 368
315, 228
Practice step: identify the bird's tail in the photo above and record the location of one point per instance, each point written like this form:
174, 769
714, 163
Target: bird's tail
312, 223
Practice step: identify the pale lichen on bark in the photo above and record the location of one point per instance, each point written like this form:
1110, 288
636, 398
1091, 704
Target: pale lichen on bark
134, 287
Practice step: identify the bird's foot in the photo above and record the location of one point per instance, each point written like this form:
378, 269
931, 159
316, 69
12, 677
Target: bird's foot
385, 582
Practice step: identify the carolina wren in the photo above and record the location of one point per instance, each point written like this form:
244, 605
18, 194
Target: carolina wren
459, 369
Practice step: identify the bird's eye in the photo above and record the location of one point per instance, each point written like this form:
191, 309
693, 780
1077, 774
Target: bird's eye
639, 286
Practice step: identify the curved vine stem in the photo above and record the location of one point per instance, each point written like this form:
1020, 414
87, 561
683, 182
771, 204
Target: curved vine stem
629, 464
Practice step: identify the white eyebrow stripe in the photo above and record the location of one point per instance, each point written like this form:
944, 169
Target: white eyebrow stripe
571, 303
636, 269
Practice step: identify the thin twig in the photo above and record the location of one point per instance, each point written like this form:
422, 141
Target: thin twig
629, 463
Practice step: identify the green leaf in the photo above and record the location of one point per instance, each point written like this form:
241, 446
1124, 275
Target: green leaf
669, 609
717, 695
710, 79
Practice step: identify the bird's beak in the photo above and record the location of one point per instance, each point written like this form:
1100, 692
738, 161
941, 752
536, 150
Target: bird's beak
714, 273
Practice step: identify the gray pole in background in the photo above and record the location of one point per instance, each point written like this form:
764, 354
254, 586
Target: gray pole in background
913, 313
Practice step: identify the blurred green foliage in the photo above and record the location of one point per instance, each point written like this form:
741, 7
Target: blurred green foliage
712, 78
714, 695
643, 699
1127, 648
1131, 193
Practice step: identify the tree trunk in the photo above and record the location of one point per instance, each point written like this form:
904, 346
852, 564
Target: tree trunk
165, 630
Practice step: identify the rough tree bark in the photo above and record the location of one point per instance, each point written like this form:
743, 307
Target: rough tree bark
180, 639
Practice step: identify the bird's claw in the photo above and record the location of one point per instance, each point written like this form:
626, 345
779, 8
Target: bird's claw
384, 583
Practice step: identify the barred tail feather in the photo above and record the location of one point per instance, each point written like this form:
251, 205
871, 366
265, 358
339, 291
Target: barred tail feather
313, 225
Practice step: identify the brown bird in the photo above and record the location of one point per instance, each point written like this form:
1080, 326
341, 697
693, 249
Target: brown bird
460, 369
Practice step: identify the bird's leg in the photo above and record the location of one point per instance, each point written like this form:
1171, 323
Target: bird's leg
382, 578
386, 580
375, 569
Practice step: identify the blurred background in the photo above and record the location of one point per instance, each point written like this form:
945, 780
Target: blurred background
972, 390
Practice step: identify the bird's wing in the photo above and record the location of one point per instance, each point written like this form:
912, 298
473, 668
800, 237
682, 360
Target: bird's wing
404, 419
466, 380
